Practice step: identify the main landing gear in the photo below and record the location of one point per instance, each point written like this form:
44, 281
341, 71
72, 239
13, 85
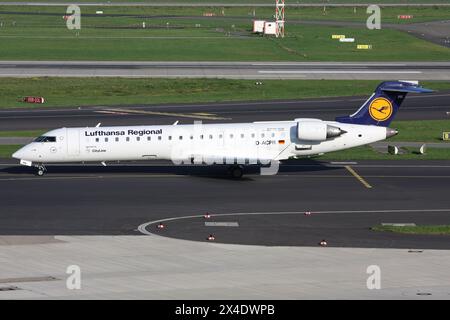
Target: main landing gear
236, 172
40, 170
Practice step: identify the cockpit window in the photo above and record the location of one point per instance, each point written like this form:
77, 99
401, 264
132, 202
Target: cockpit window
45, 139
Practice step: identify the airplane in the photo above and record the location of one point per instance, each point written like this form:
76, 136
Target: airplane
231, 144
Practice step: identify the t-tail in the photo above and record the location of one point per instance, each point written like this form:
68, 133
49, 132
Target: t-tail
381, 108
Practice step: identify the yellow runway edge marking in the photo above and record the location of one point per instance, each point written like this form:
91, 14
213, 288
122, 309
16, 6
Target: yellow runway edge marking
168, 114
357, 176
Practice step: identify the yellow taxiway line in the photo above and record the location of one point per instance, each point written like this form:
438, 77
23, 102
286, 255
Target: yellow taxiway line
169, 114
357, 176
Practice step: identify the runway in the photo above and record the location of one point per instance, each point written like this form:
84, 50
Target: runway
116, 200
214, 4
230, 70
415, 107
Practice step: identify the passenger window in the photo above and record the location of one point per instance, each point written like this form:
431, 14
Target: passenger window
170, 137
106, 139
273, 134
149, 138
97, 139
117, 139
262, 135
242, 135
220, 136
181, 137
159, 137
253, 135
201, 136
128, 138
231, 136
210, 136
192, 137
138, 138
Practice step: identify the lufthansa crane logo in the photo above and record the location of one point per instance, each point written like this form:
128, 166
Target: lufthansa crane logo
380, 109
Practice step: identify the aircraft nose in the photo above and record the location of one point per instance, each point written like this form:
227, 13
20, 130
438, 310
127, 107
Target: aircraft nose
18, 154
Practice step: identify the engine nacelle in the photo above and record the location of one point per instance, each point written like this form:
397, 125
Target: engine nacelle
317, 131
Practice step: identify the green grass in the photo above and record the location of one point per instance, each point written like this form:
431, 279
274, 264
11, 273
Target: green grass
7, 150
45, 37
126, 16
425, 229
421, 131
70, 92
19, 133
367, 153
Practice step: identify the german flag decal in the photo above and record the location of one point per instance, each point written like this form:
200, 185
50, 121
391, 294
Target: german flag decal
280, 141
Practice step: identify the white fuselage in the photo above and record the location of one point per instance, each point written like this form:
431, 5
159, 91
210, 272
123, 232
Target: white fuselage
243, 143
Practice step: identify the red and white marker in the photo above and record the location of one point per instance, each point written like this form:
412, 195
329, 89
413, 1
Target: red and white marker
323, 243
160, 226
211, 238
307, 213
207, 215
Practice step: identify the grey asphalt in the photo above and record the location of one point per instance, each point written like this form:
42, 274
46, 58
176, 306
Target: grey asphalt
230, 70
415, 107
215, 4
116, 200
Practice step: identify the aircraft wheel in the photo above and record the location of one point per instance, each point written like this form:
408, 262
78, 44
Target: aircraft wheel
236, 172
41, 171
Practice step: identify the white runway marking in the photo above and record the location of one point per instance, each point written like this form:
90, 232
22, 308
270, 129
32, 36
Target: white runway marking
221, 224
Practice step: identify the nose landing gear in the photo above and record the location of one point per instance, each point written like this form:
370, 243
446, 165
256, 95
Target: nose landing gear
40, 170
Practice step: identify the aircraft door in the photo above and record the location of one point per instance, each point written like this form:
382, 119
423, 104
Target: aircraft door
73, 142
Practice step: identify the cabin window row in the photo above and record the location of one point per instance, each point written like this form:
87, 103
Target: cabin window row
201, 137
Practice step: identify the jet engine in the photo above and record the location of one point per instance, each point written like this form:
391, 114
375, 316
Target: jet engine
317, 131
